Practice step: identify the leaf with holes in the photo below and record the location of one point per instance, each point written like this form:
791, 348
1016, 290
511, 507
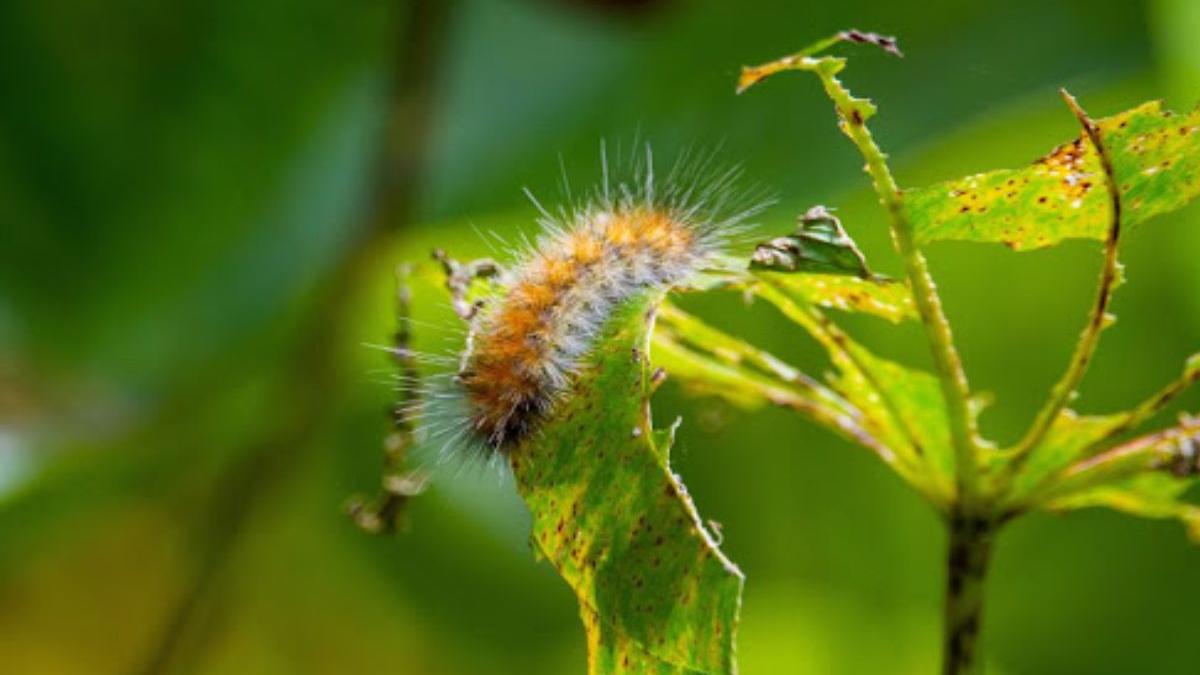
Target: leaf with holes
821, 263
655, 593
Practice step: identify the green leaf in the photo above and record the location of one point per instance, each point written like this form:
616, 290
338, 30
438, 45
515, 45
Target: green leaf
1151, 495
656, 594
901, 407
709, 361
820, 244
1072, 456
1069, 437
1156, 163
907, 402
1175, 449
822, 264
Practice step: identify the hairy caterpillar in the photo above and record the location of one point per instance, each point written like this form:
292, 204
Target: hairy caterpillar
525, 344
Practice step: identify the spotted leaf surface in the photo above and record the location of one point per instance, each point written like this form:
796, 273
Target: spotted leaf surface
885, 298
1156, 162
656, 594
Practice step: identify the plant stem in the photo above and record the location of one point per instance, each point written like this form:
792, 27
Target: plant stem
970, 536
1110, 278
853, 114
969, 552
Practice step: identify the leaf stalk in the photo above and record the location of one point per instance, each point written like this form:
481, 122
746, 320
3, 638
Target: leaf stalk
1089, 339
853, 114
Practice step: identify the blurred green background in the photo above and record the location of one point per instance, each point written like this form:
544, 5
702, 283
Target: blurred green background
200, 207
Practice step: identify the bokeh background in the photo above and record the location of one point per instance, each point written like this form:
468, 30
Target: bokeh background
201, 204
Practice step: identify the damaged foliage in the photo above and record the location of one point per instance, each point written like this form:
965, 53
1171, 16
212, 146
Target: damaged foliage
656, 594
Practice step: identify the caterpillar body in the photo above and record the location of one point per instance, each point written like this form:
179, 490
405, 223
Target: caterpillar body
525, 345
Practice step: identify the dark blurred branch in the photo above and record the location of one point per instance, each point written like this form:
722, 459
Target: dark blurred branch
310, 371
385, 514
416, 63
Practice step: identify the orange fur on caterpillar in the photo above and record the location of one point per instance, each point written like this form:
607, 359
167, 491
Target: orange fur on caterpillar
526, 343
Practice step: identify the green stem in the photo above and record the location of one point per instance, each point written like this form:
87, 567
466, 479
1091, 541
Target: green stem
968, 555
937, 328
970, 536
1089, 339
853, 114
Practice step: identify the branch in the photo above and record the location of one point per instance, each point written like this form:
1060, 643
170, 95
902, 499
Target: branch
386, 512
1153, 405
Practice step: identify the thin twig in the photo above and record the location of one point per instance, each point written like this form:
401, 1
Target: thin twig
1153, 405
385, 514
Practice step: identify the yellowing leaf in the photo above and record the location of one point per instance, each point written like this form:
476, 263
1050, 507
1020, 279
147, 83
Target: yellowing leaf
1151, 495
1156, 163
884, 298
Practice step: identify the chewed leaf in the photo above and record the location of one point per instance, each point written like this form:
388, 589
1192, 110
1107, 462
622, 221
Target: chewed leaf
1153, 495
820, 244
822, 264
656, 594
612, 651
885, 298
1156, 163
